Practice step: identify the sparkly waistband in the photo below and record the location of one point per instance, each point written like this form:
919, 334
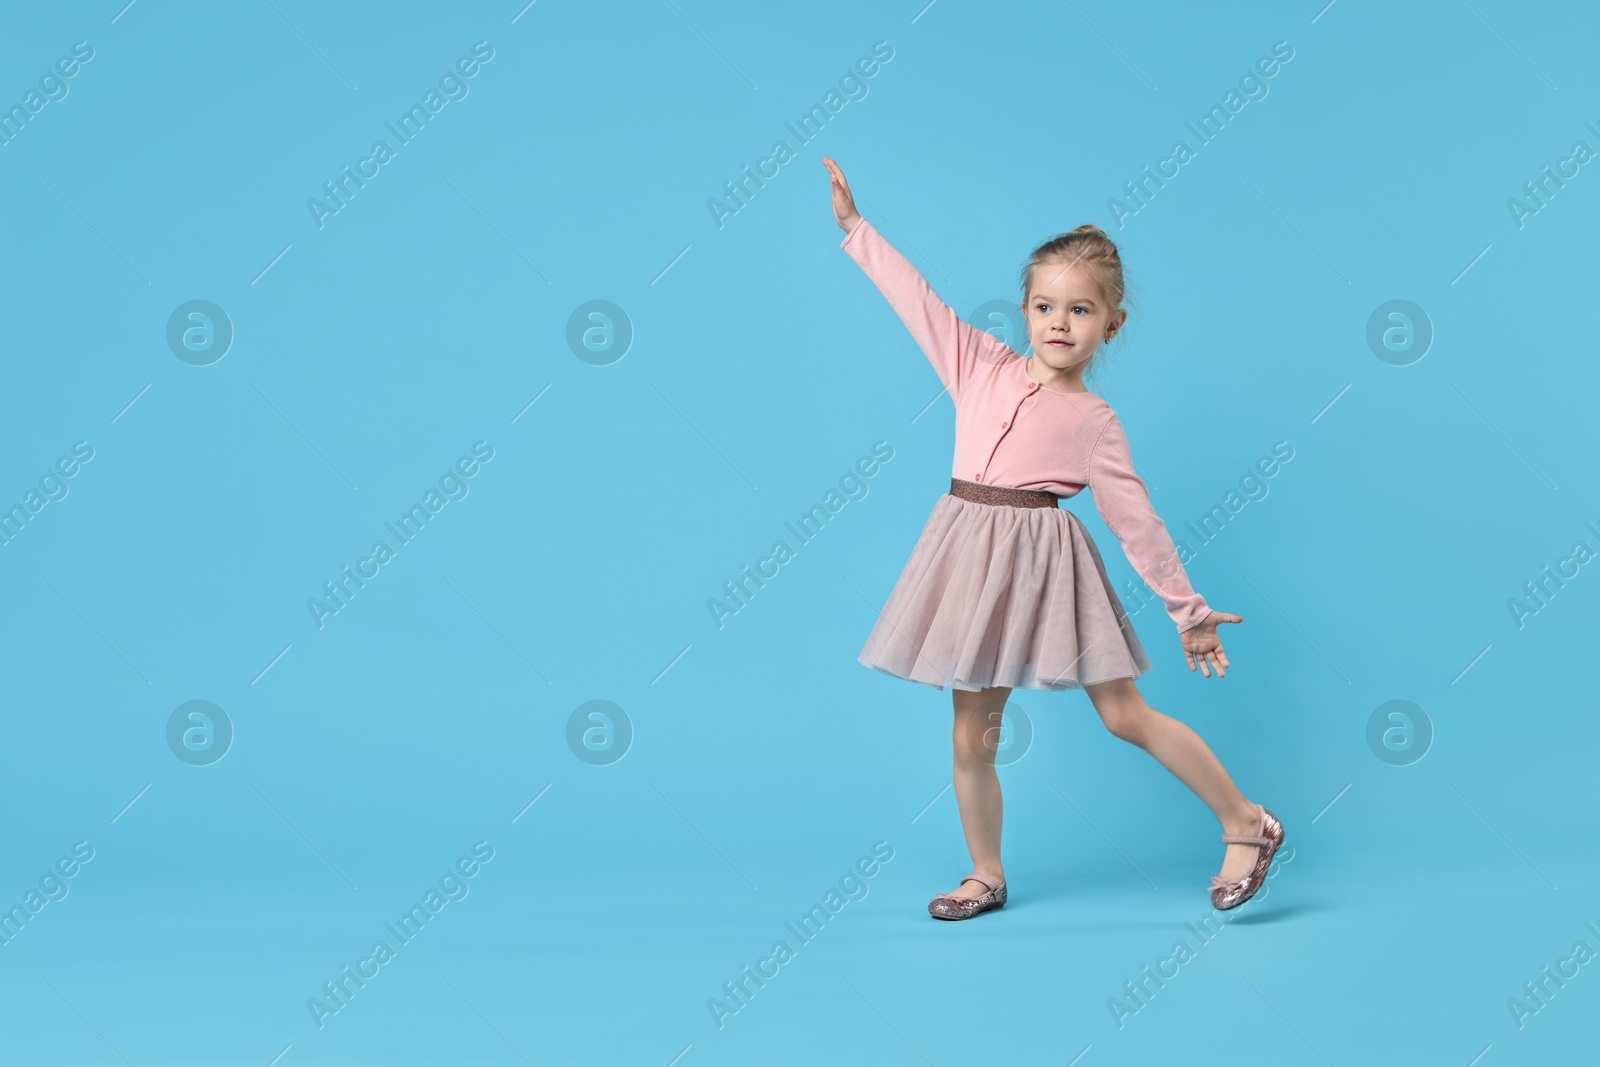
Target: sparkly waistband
1002, 494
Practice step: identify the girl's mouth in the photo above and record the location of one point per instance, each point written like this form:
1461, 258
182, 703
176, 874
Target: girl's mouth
1064, 344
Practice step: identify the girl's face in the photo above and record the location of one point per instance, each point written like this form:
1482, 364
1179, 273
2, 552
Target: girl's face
1068, 317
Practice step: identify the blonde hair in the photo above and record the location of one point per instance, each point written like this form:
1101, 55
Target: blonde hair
1089, 245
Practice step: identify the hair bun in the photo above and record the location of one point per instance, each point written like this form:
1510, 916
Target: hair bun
1088, 245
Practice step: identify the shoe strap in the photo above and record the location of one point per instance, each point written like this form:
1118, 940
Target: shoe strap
1250, 839
983, 880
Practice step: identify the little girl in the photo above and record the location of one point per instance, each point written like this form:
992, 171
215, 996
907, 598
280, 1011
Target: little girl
1005, 589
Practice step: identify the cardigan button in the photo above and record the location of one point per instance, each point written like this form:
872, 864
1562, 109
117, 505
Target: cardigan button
1006, 425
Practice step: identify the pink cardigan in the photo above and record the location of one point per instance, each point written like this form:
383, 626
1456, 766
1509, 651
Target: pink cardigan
1012, 431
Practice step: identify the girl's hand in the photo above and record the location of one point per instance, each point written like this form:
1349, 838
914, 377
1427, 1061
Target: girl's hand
844, 205
1202, 638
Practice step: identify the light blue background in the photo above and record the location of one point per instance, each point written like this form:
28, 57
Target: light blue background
432, 310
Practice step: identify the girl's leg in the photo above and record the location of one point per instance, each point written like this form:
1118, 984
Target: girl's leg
1181, 751
976, 738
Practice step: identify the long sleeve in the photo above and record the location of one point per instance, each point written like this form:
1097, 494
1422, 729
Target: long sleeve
953, 345
1124, 503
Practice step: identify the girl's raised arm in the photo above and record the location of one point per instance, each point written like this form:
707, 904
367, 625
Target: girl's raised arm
954, 346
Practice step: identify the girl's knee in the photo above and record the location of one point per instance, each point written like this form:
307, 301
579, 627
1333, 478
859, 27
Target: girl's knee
1125, 724
978, 721
1127, 719
976, 740
1121, 708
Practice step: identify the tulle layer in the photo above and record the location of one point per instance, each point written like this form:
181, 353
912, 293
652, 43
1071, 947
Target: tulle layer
1000, 595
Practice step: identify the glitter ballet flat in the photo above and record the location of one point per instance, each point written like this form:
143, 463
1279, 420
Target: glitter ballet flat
1229, 893
945, 906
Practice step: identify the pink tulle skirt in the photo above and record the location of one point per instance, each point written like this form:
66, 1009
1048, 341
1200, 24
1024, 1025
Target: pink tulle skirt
999, 595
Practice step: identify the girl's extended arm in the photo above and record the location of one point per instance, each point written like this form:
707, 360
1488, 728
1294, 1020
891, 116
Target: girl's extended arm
954, 346
1124, 503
